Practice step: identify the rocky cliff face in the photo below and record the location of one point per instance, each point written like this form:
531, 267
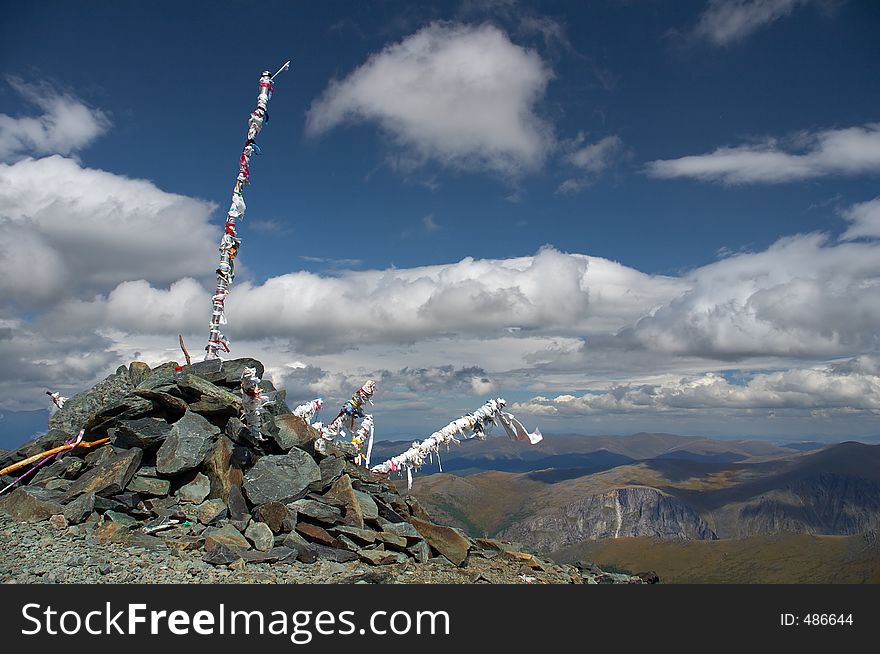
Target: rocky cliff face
620, 512
826, 503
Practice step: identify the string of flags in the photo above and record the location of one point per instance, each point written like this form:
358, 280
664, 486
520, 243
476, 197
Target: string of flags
57, 402
364, 436
254, 401
351, 412
310, 410
230, 243
473, 425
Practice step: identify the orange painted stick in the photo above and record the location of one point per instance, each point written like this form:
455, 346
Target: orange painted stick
54, 450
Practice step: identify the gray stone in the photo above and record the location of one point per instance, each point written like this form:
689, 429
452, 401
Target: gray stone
129, 407
174, 407
305, 550
130, 499
161, 380
68, 468
261, 536
80, 508
150, 486
109, 478
317, 511
195, 491
79, 409
187, 445
293, 431
331, 469
404, 529
228, 373
121, 518
100, 456
212, 511
145, 433
57, 484
221, 554
282, 478
369, 510
421, 551
334, 554
227, 534
238, 509
30, 504
391, 540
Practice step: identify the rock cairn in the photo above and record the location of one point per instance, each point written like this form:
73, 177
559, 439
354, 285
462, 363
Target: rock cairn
182, 471
182, 468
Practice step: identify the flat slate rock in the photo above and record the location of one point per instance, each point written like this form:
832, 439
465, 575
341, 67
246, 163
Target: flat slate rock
446, 540
227, 535
315, 533
195, 491
335, 554
227, 373
293, 431
317, 510
30, 504
110, 477
280, 478
145, 433
151, 486
187, 445
341, 491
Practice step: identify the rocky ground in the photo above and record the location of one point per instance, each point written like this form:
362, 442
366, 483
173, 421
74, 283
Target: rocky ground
40, 553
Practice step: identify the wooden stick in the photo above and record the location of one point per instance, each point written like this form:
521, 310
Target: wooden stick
183, 347
54, 450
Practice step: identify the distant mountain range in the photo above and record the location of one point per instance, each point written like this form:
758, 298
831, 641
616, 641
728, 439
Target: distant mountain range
572, 492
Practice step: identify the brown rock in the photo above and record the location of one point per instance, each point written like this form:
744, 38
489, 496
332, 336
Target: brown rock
377, 557
138, 371
212, 510
341, 490
227, 535
274, 514
29, 504
58, 521
113, 532
316, 534
448, 541
219, 468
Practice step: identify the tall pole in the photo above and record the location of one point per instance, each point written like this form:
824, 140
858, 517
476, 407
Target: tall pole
230, 243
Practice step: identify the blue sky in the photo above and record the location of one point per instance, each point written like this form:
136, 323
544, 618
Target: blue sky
618, 215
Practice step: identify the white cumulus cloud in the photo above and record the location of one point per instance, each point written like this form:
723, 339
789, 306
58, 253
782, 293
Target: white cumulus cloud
65, 126
73, 231
865, 220
847, 151
463, 96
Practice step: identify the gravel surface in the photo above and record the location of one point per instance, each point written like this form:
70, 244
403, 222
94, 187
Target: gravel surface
38, 552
